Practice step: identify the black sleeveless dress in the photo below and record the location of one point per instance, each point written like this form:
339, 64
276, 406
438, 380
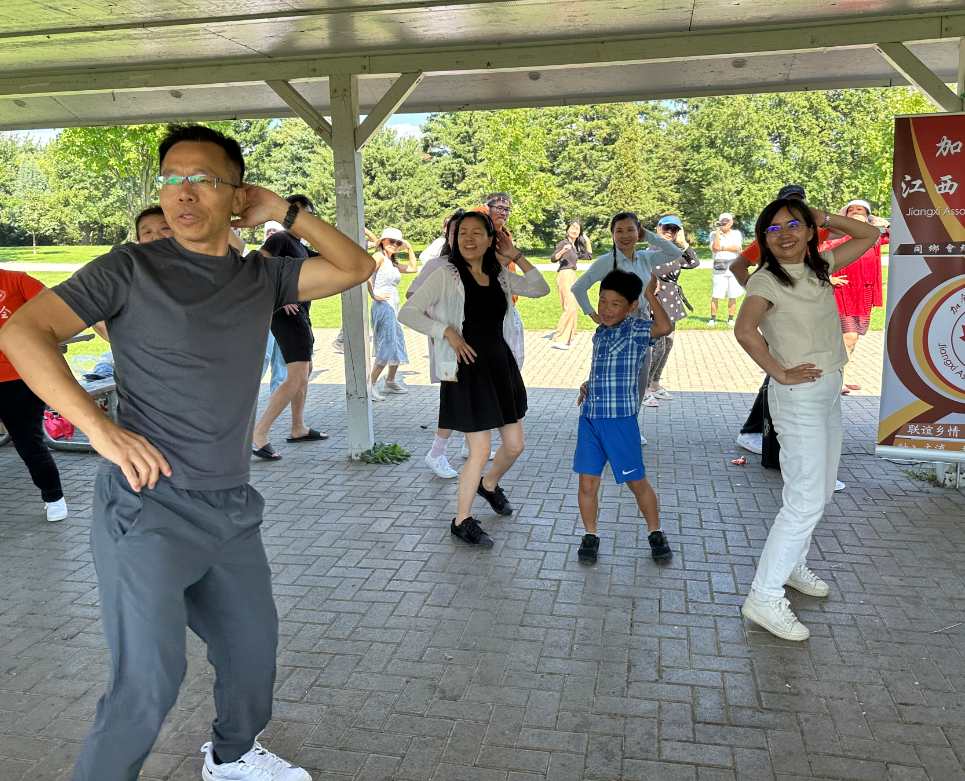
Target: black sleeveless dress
489, 392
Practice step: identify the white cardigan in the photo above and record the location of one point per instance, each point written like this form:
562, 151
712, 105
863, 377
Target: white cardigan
444, 293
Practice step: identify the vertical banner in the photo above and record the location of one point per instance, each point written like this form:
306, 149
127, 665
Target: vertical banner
922, 413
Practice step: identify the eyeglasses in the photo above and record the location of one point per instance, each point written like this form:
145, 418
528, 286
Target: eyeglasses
794, 227
198, 181
501, 209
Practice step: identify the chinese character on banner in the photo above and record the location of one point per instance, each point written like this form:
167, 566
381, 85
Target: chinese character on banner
926, 430
941, 446
947, 186
915, 187
962, 248
913, 428
953, 431
933, 248
940, 431
4, 313
918, 249
946, 147
955, 308
950, 248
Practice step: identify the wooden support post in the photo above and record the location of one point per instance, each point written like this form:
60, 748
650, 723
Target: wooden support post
350, 216
960, 87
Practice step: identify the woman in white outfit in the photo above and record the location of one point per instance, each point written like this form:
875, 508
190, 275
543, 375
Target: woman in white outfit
388, 340
789, 325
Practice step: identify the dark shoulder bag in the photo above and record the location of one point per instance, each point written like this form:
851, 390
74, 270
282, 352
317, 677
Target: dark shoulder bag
771, 448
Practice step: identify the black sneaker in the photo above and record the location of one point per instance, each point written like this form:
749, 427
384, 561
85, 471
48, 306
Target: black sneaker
659, 547
496, 498
589, 549
471, 533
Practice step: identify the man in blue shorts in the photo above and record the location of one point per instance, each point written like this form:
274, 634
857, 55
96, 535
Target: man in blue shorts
609, 430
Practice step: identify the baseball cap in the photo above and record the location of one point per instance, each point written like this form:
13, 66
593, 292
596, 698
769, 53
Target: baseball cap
726, 216
272, 225
792, 189
670, 220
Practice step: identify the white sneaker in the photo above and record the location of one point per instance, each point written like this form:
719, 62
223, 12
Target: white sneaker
731, 322
643, 440
259, 764
376, 396
712, 322
559, 346
465, 452
575, 341
395, 386
441, 466
775, 616
752, 442
56, 511
803, 580
839, 486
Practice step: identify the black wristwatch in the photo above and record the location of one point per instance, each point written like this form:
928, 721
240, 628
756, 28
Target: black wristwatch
290, 217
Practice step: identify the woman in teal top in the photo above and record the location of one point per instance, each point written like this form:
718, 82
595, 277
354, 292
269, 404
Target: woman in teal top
627, 233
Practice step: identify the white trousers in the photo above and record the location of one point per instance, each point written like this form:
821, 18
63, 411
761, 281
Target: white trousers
807, 419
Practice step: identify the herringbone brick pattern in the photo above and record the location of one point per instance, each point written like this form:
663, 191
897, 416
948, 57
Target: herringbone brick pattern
405, 657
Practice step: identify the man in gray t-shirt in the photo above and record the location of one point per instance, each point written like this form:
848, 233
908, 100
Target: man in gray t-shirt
175, 529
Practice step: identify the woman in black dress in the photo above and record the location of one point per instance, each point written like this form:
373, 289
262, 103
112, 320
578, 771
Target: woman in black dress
472, 327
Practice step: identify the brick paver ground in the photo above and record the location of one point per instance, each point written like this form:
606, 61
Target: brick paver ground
405, 657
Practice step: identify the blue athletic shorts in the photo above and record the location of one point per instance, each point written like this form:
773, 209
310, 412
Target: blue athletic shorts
616, 440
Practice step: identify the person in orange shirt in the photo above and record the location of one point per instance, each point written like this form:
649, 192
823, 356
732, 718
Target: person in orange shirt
21, 411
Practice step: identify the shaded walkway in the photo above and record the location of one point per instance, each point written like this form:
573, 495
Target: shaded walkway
403, 657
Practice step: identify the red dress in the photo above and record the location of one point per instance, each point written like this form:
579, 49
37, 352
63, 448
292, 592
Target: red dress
864, 289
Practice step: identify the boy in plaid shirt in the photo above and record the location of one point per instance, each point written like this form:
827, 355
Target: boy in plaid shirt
608, 421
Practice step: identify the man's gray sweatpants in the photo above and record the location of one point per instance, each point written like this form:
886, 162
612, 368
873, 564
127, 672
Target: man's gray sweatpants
166, 558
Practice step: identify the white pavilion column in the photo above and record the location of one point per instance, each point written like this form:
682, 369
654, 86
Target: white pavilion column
350, 217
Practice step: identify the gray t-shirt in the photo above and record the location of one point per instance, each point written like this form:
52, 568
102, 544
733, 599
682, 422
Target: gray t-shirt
188, 332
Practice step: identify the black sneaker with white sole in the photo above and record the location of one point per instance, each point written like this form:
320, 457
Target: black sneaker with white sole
589, 549
659, 547
471, 533
496, 498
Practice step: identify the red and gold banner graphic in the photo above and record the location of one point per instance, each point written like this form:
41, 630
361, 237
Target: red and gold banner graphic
923, 389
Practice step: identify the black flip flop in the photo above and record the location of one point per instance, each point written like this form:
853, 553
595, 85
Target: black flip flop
267, 452
311, 436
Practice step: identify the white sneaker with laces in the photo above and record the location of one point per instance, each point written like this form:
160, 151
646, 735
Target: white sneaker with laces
803, 580
752, 442
465, 452
440, 465
376, 396
56, 511
259, 764
395, 386
775, 616
839, 486
559, 346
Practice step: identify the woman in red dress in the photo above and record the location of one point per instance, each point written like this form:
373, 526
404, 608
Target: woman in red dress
858, 287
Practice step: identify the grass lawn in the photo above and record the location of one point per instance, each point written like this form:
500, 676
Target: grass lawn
540, 314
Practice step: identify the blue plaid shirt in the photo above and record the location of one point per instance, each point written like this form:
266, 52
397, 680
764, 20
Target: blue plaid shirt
618, 356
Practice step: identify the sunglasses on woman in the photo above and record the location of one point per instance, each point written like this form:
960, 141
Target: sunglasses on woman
394, 242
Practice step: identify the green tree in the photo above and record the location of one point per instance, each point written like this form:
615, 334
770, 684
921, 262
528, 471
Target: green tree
29, 199
127, 155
